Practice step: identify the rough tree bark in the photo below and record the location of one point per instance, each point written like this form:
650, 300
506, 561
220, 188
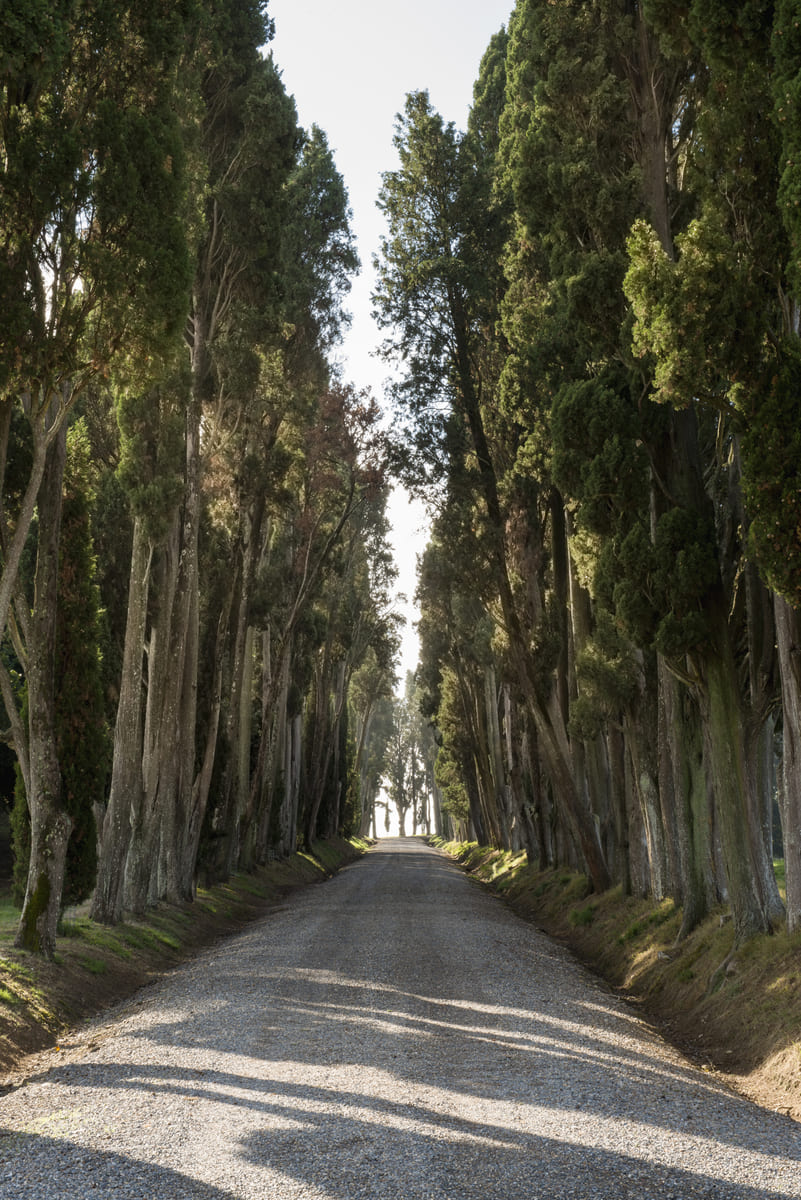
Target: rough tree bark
125, 795
50, 823
788, 633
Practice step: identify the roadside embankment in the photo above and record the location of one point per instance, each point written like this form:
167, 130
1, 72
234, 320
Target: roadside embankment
97, 965
742, 1021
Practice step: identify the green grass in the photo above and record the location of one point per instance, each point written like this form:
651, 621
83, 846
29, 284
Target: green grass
95, 966
251, 886
10, 967
8, 997
9, 916
582, 916
651, 920
101, 936
141, 937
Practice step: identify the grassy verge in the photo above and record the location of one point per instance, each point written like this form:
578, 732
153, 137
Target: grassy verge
97, 965
743, 1021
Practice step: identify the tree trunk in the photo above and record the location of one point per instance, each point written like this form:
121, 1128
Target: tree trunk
552, 740
234, 793
177, 784
159, 725
14, 547
690, 802
521, 828
724, 751
605, 795
290, 803
641, 732
50, 823
202, 784
788, 632
125, 797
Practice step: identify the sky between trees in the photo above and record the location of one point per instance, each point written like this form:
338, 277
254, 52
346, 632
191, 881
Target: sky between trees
349, 67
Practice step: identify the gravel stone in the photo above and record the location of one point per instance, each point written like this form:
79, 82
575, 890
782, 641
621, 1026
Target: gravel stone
396, 1033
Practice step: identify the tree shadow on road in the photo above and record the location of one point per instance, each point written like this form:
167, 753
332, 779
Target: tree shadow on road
396, 1070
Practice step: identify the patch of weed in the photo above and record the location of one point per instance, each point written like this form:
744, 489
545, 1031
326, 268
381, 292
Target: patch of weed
15, 968
167, 939
251, 886
95, 966
582, 916
647, 921
778, 871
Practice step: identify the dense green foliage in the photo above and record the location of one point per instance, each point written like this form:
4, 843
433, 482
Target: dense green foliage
592, 297
175, 255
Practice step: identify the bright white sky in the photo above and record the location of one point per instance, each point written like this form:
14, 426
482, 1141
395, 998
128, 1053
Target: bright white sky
349, 66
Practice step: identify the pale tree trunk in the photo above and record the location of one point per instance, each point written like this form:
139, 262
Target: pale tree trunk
535, 804
126, 794
242, 801
50, 823
641, 735
521, 830
317, 735
282, 776
579, 820
245, 731
329, 714
476, 816
436, 801
606, 796
480, 787
202, 783
234, 792
156, 867
618, 782
496, 772
758, 711
688, 792
724, 740
47, 426
552, 740
177, 782
334, 766
788, 633
159, 723
360, 772
293, 770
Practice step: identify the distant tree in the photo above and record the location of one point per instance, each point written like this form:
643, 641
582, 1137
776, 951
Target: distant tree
405, 768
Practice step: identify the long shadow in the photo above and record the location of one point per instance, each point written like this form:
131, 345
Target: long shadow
493, 1055
32, 1167
341, 1145
310, 1020
455, 1047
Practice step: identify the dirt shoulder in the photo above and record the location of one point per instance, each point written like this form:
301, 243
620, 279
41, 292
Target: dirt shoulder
736, 1013
96, 965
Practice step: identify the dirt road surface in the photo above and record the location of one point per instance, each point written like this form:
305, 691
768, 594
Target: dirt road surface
394, 1033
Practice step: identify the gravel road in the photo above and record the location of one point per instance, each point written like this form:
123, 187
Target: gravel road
396, 1032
